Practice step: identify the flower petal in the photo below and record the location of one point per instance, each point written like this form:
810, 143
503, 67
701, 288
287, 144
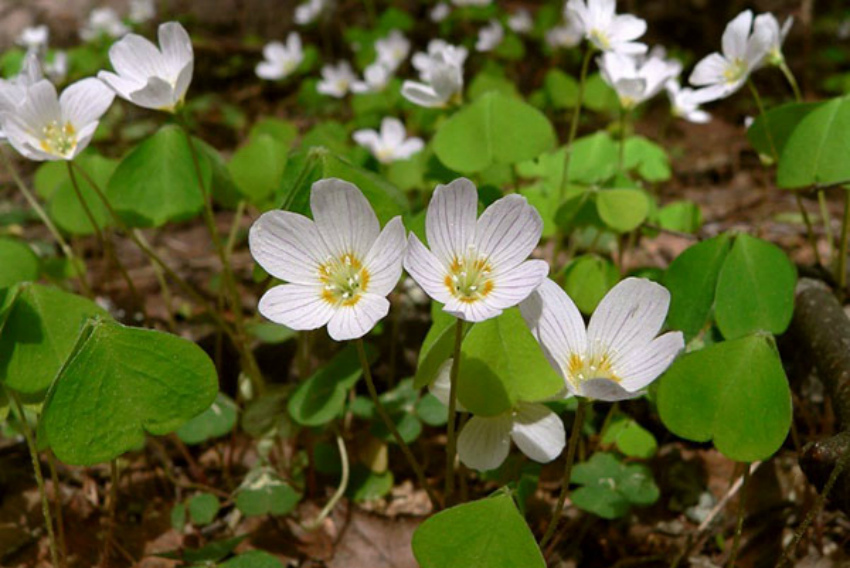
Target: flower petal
288, 246
484, 443
508, 231
441, 386
709, 70
421, 94
643, 365
121, 85
85, 102
513, 286
735, 35
384, 260
296, 306
450, 220
353, 322
135, 57
157, 94
606, 390
538, 432
426, 269
344, 217
176, 47
625, 28
471, 311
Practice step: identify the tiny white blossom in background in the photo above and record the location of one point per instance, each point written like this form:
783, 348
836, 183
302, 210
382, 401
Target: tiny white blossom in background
490, 36
392, 50
520, 21
151, 77
280, 60
566, 35
309, 11
485, 441
618, 355
768, 25
34, 38
440, 12
57, 67
685, 102
142, 11
477, 267
45, 126
441, 72
744, 49
14, 91
103, 22
603, 27
339, 266
637, 79
391, 143
336, 80
375, 79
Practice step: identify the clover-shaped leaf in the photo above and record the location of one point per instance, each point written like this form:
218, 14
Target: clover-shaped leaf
263, 492
119, 383
19, 262
610, 487
252, 559
214, 422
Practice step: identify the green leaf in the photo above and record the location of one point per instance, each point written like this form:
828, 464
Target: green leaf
264, 493
267, 415
41, 329
214, 422
321, 398
599, 97
562, 89
257, 167
212, 552
486, 133
770, 132
203, 508
119, 383
682, 216
65, 207
485, 82
281, 130
489, 533
622, 209
157, 181
436, 348
252, 559
366, 485
19, 262
650, 159
178, 517
431, 411
587, 279
755, 289
692, 282
734, 393
611, 487
501, 364
630, 438
816, 150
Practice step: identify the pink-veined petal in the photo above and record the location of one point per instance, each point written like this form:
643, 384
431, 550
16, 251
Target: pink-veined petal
353, 322
85, 102
513, 286
484, 443
538, 432
426, 270
643, 365
450, 220
385, 258
288, 246
296, 306
344, 217
508, 231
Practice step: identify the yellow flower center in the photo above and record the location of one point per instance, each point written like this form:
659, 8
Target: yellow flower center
344, 280
470, 277
582, 368
59, 139
736, 71
600, 38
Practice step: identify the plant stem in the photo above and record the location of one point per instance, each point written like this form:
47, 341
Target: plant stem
585, 65
57, 498
763, 114
382, 412
809, 229
740, 524
621, 157
826, 219
340, 491
451, 438
111, 507
789, 76
39, 477
841, 266
42, 214
575, 434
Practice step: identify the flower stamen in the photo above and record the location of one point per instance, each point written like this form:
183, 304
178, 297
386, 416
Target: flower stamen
59, 139
344, 280
470, 277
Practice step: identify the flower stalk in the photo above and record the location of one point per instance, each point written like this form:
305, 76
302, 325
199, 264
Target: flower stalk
451, 438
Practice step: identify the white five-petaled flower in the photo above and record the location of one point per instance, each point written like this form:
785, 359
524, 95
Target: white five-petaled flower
376, 77
441, 70
637, 78
392, 50
520, 21
309, 11
336, 80
477, 267
618, 355
280, 60
439, 12
603, 27
34, 38
151, 77
685, 102
775, 36
485, 441
141, 11
490, 36
14, 91
45, 126
103, 22
339, 266
744, 48
391, 143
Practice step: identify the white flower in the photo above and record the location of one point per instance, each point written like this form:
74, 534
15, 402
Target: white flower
684, 103
485, 441
743, 51
141, 11
280, 60
375, 79
635, 78
34, 38
309, 11
440, 12
441, 70
391, 143
768, 25
14, 91
618, 355
490, 36
476, 267
150, 77
103, 22
392, 50
45, 126
564, 36
57, 68
601, 26
520, 21
336, 80
339, 266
